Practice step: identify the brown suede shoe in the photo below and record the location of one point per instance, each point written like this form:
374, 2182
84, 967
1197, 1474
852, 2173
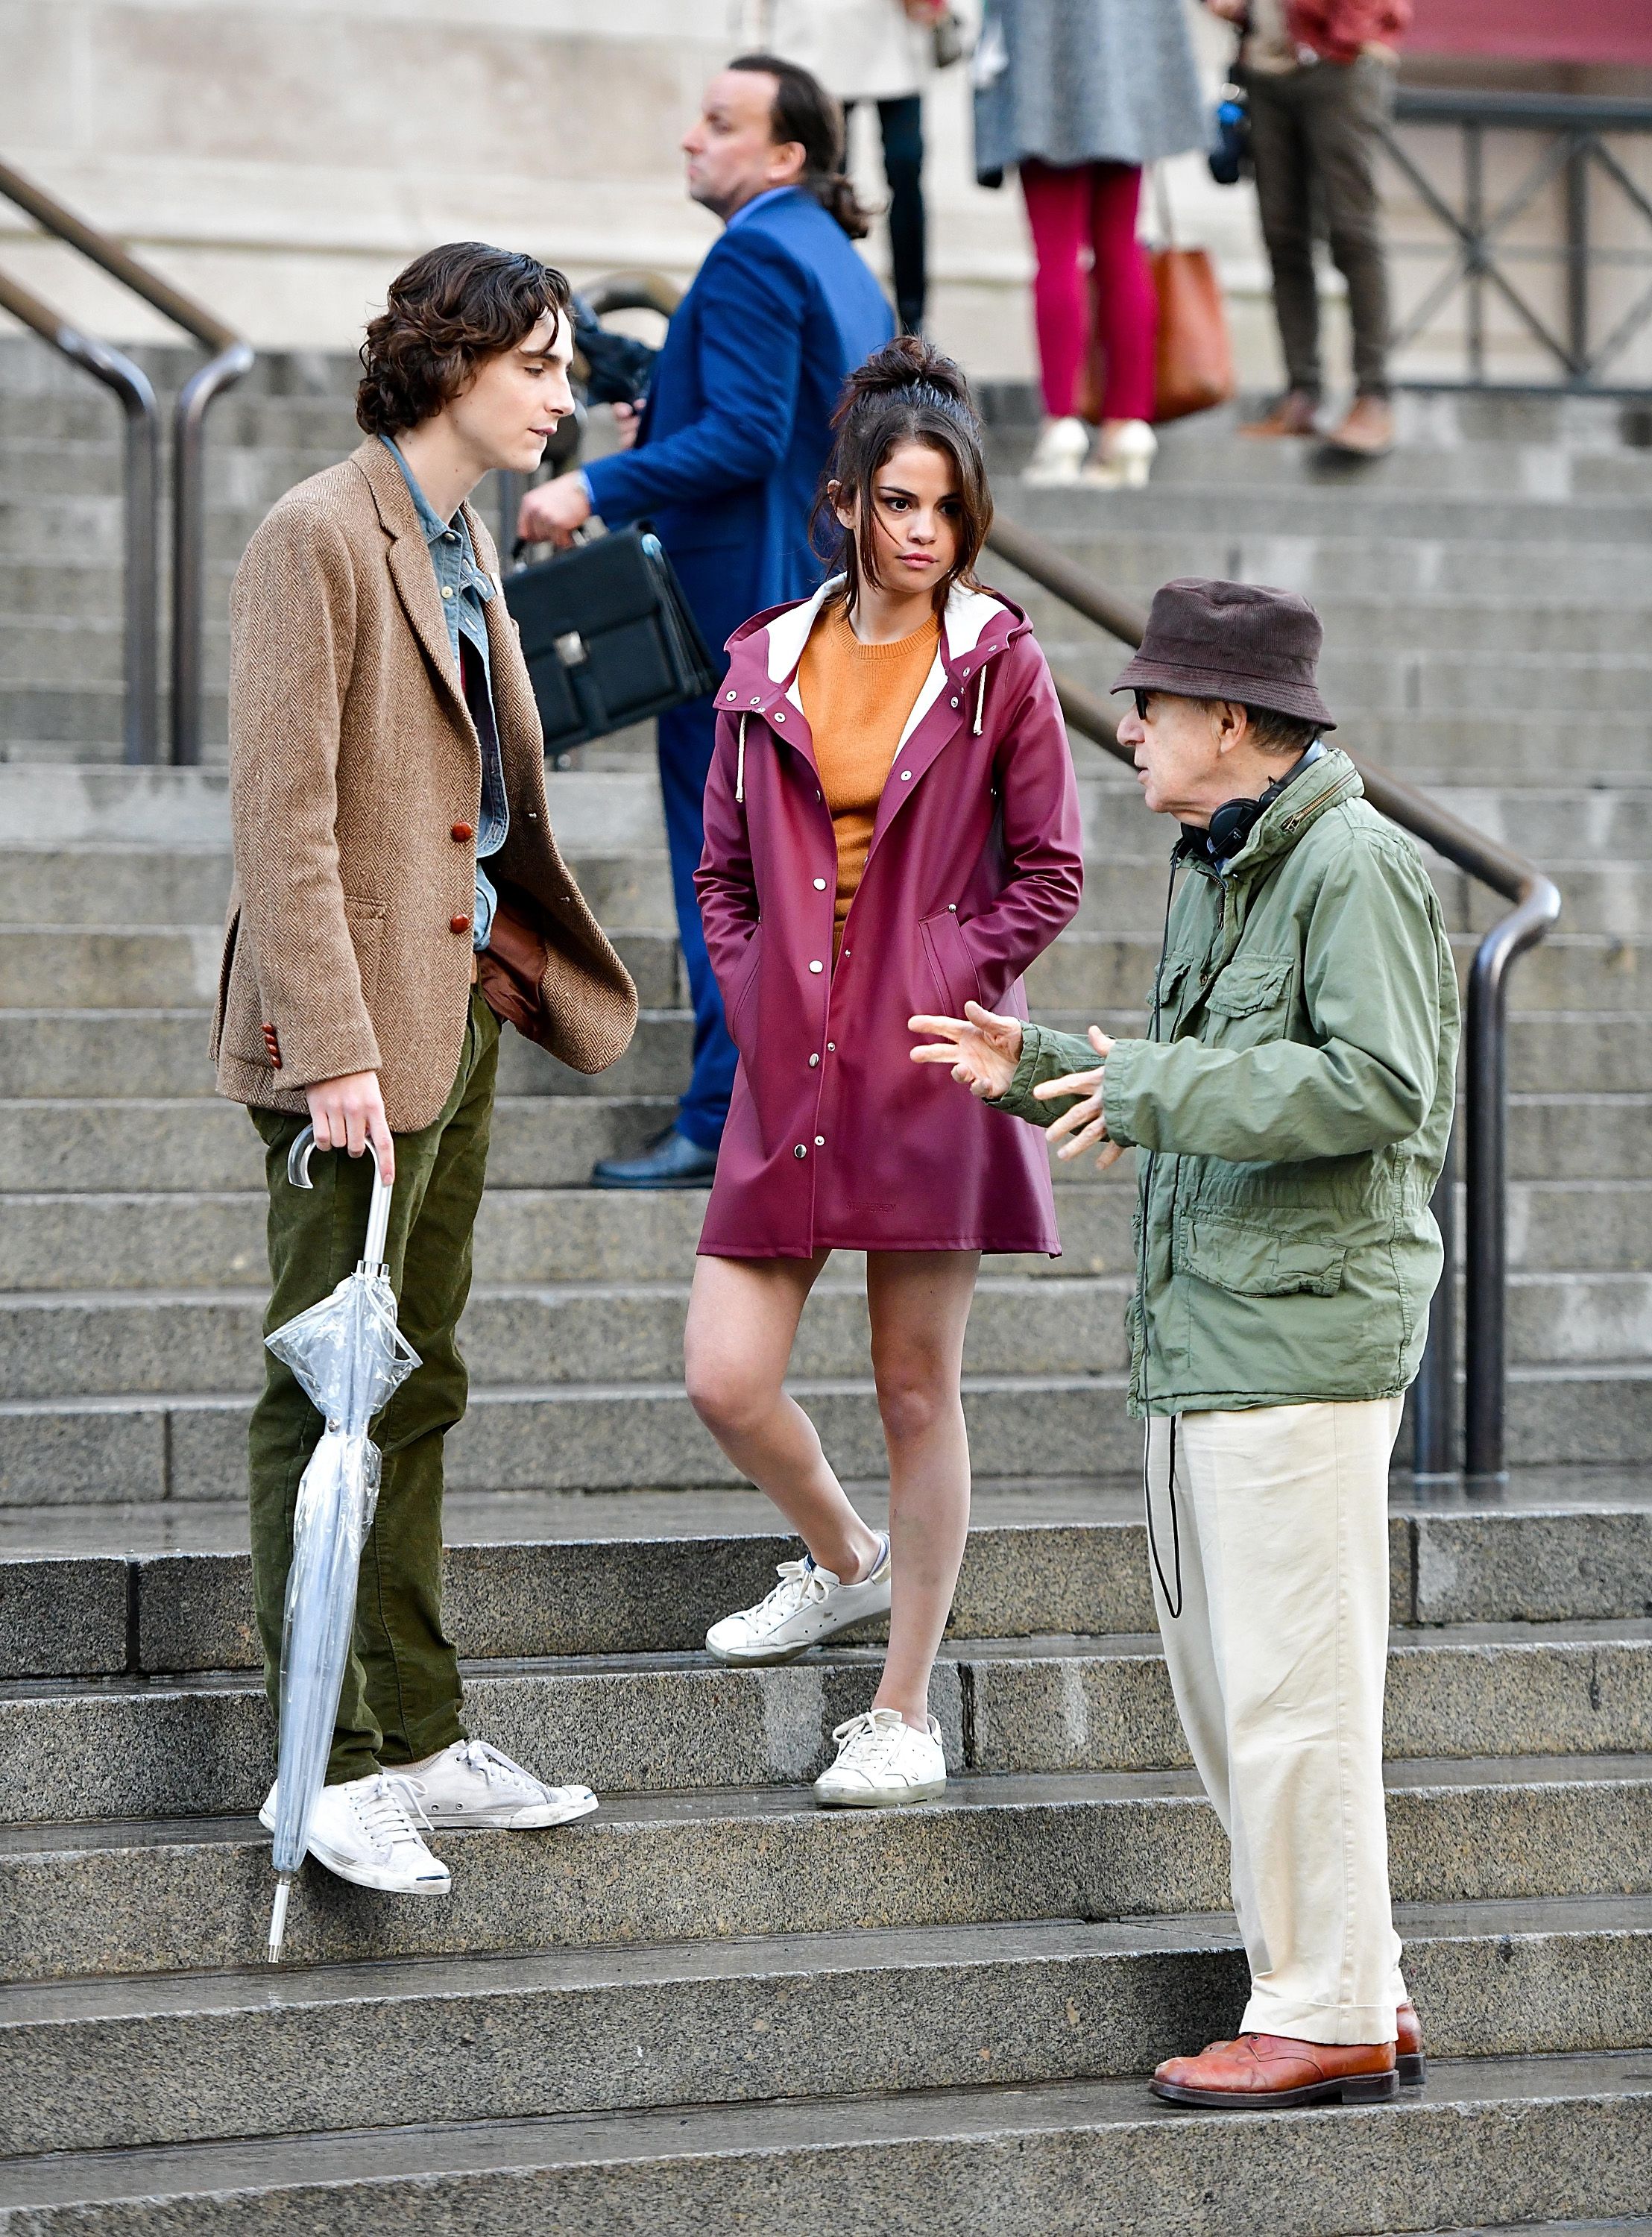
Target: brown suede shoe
1294, 414
1262, 2072
1368, 430
1408, 2051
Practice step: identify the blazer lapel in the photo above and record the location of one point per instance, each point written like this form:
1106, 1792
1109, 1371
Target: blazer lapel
410, 569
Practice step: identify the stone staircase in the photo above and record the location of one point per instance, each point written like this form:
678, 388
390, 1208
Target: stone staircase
711, 2006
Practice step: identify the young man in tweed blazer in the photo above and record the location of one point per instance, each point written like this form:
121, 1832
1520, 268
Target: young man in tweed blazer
398, 889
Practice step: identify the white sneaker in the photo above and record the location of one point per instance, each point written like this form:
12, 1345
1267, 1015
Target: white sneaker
808, 1604
1125, 457
471, 1783
363, 1829
1058, 454
881, 1761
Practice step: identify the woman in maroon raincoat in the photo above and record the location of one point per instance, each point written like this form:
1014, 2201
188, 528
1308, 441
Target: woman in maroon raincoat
836, 1140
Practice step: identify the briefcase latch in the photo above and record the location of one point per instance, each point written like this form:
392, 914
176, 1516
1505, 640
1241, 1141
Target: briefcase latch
570, 649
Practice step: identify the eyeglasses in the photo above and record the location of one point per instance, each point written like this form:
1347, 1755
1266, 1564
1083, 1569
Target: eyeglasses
1141, 698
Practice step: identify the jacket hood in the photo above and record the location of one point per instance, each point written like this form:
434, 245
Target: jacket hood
764, 653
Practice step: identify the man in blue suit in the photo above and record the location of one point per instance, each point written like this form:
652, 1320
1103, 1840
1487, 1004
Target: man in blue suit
726, 460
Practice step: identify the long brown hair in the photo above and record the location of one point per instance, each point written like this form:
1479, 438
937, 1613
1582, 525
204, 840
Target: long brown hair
905, 393
804, 112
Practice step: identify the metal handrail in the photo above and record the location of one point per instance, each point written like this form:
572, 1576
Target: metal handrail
141, 525
1536, 901
233, 358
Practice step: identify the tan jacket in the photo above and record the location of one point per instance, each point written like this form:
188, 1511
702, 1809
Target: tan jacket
355, 793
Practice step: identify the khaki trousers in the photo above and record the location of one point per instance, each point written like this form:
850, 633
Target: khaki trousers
1278, 1660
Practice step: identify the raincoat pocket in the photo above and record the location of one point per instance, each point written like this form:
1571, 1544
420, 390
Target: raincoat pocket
1282, 1256
951, 966
750, 972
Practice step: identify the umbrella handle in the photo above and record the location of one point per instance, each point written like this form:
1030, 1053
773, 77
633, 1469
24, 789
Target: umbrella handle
297, 1173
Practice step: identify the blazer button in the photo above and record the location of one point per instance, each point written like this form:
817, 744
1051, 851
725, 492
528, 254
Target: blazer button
458, 924
462, 832
799, 1151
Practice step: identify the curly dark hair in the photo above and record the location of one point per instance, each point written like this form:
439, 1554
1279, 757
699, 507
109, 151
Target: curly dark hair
905, 393
450, 309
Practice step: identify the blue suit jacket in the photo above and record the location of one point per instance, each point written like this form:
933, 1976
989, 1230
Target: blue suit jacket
738, 423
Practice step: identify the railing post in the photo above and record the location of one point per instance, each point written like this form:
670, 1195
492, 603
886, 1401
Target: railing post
1474, 222
1436, 1452
189, 544
1577, 254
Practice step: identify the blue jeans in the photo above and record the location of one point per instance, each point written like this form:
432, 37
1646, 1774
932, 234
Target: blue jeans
686, 739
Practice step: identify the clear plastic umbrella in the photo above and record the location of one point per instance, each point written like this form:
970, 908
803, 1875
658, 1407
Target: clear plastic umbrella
350, 1355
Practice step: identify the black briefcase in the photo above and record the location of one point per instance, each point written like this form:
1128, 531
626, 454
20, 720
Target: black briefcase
607, 637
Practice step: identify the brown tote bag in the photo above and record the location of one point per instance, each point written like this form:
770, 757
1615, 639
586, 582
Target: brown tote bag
1195, 366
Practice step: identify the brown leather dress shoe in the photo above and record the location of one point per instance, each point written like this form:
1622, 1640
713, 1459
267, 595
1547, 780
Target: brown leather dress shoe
1294, 414
1408, 2049
1263, 2072
1368, 430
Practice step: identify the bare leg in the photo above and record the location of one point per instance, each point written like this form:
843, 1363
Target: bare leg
920, 1308
743, 1314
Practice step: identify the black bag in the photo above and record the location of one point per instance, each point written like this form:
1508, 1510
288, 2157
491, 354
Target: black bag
607, 637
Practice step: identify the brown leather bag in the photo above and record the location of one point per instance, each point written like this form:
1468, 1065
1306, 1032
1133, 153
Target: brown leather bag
1194, 369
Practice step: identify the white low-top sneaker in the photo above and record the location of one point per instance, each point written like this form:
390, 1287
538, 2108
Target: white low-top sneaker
808, 1604
471, 1783
363, 1830
881, 1761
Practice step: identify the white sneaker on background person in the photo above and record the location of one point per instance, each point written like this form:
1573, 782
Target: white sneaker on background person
1124, 456
883, 1760
471, 1783
808, 1604
363, 1831
1059, 455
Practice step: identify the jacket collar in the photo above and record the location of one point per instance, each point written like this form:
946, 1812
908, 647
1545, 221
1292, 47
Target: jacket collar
410, 565
1325, 785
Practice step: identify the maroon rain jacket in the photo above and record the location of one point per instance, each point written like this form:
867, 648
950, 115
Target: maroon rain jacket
836, 1139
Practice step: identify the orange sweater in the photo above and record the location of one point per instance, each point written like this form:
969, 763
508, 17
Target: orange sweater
857, 698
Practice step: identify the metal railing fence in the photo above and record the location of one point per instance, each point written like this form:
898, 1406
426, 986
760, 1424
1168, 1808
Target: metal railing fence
231, 360
1575, 156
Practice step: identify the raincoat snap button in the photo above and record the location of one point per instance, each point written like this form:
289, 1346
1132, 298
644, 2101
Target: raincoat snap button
832, 1048
817, 967
906, 776
778, 716
953, 703
953, 905
799, 1151
819, 1141
819, 885
813, 1060
731, 694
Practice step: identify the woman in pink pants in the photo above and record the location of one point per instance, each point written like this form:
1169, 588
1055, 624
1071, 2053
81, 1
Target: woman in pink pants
1081, 95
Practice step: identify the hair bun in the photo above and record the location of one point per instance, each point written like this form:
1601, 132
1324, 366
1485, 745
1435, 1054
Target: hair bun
912, 365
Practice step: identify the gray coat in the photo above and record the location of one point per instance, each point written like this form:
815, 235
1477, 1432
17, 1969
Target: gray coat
1086, 80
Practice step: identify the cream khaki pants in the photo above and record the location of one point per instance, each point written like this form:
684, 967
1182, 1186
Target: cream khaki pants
1278, 1660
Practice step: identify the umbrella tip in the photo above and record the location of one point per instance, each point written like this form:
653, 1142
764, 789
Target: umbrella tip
278, 1917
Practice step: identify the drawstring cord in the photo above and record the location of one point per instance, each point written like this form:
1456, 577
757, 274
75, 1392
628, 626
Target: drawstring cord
739, 767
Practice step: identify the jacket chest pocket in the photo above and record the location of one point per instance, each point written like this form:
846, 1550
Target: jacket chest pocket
1249, 1001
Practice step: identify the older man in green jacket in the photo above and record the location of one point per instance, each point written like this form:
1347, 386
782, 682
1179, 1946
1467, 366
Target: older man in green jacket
1289, 1108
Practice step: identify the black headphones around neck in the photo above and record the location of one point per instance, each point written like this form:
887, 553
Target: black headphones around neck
1234, 822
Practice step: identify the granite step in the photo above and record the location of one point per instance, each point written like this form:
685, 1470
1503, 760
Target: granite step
192, 1893
1515, 2138
123, 2064
125, 1590
202, 1746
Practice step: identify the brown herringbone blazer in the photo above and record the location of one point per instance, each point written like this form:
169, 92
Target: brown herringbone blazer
355, 792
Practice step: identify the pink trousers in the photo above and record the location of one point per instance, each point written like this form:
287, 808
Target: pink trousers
1071, 208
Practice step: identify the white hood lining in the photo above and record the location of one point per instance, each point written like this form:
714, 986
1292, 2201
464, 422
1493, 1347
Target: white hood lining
967, 616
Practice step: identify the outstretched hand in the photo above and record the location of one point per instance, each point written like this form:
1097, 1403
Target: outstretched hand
1084, 1124
982, 1048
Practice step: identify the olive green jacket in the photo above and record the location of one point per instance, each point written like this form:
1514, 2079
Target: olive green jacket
1297, 1102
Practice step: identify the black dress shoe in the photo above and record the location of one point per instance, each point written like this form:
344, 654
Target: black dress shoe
671, 1162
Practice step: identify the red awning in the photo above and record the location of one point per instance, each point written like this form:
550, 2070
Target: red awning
1536, 31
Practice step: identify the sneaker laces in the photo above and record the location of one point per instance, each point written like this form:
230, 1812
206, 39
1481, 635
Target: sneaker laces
390, 1810
801, 1584
871, 1737
496, 1769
